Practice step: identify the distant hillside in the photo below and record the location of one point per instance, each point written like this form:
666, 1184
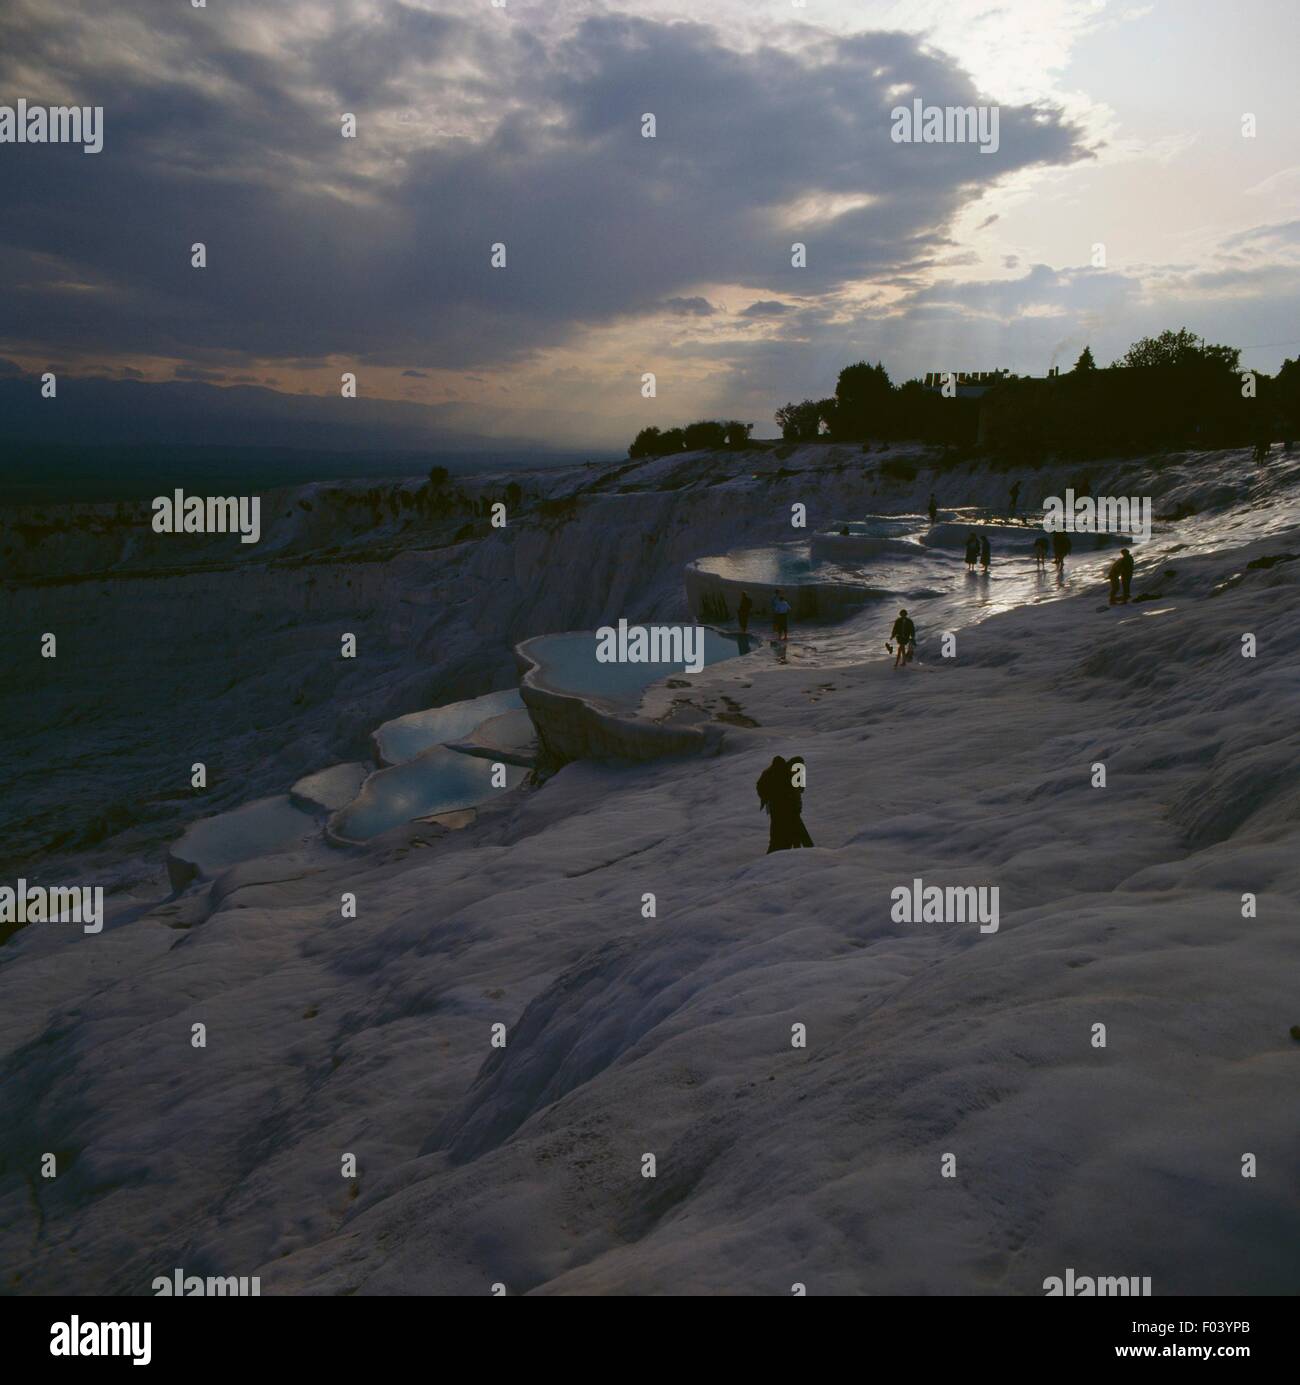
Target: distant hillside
181, 413
32, 475
125, 439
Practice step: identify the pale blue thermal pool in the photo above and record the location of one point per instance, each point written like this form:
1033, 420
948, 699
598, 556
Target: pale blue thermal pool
764, 567
435, 781
406, 737
567, 664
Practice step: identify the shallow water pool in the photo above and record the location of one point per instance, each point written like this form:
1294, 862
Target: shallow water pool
436, 781
567, 664
406, 737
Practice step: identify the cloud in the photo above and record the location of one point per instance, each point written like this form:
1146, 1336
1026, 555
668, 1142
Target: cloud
765, 307
209, 377
1281, 233
415, 374
377, 250
689, 307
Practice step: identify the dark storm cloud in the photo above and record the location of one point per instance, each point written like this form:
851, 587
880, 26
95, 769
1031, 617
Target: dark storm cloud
188, 372
689, 307
377, 249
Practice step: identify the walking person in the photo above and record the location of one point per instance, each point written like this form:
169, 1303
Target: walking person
780, 617
798, 779
1061, 546
1126, 573
1040, 553
1015, 497
904, 632
972, 551
1112, 576
743, 610
985, 552
776, 796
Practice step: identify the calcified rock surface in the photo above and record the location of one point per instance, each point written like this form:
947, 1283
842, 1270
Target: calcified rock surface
670, 1035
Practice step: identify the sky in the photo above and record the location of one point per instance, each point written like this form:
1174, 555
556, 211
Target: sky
1120, 127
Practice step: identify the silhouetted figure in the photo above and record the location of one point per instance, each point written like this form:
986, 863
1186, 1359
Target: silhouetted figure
985, 552
904, 632
1112, 576
1040, 553
1126, 571
782, 802
972, 551
743, 610
1015, 496
780, 617
934, 508
1262, 449
798, 832
1061, 546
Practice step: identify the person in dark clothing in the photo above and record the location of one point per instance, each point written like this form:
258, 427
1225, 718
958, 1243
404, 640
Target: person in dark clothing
782, 801
774, 797
743, 610
972, 550
985, 552
1126, 571
1061, 546
1040, 553
1112, 576
1015, 496
904, 632
933, 509
798, 778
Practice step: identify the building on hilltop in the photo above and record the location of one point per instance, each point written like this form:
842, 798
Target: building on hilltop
973, 384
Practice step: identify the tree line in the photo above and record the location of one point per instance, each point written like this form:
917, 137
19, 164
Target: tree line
1172, 390
708, 434
1168, 390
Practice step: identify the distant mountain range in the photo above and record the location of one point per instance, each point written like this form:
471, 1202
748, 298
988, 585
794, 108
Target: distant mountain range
120, 439
188, 413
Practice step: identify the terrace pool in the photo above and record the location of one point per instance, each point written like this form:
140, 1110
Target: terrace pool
434, 781
406, 737
567, 664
